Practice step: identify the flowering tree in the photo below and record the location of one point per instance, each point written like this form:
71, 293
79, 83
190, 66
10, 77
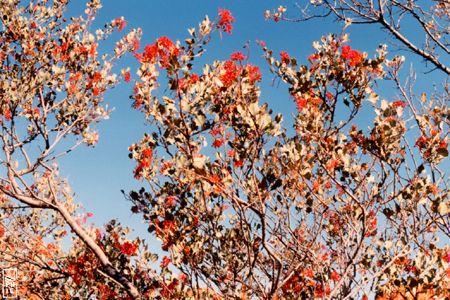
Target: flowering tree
420, 27
51, 85
245, 209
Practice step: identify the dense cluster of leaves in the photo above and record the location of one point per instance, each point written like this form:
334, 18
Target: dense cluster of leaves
51, 84
247, 210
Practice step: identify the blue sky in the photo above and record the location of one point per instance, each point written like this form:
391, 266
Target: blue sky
97, 175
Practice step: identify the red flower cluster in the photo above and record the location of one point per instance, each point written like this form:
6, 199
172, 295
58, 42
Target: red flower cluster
399, 103
237, 56
253, 73
144, 162
335, 276
301, 103
184, 83
165, 262
354, 57
128, 248
217, 143
428, 144
314, 57
285, 58
7, 114
225, 21
230, 73
163, 49
147, 153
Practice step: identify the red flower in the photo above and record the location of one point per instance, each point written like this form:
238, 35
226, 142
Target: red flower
346, 52
215, 131
421, 142
354, 57
97, 77
120, 23
225, 21
214, 179
7, 114
217, 143
165, 262
165, 166
335, 276
162, 49
329, 96
301, 103
447, 257
308, 273
230, 73
165, 42
332, 164
147, 153
237, 56
194, 78
128, 248
399, 103
96, 91
254, 73
93, 50
168, 225
150, 53
285, 58
238, 163
313, 57
127, 76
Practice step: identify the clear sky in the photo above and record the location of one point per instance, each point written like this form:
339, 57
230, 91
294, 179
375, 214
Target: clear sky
97, 175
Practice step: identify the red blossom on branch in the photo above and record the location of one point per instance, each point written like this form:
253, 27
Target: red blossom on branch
229, 74
225, 22
285, 58
128, 248
354, 57
254, 73
236, 56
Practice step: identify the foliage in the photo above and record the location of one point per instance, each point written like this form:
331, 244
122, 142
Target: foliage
332, 211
